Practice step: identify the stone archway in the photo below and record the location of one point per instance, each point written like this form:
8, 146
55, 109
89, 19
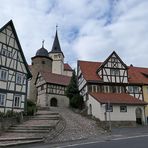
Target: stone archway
138, 115
90, 109
53, 102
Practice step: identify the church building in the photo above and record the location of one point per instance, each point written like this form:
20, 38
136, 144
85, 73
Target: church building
50, 76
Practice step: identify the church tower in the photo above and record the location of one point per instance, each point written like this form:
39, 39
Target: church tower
40, 62
57, 56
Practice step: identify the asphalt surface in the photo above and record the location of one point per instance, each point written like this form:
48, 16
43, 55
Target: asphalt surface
119, 138
137, 142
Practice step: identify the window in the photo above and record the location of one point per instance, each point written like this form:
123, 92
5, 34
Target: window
133, 89
2, 99
42, 87
7, 53
136, 89
4, 52
94, 88
55, 56
109, 107
106, 89
17, 101
114, 72
89, 88
19, 78
123, 108
130, 89
3, 74
43, 62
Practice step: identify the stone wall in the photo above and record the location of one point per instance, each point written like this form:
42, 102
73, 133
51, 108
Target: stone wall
105, 124
37, 66
62, 101
6, 123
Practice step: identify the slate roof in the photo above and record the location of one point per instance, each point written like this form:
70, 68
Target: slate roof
42, 52
117, 98
56, 48
55, 78
67, 67
136, 75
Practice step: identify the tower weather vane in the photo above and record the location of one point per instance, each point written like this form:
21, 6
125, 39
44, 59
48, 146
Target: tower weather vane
43, 43
57, 27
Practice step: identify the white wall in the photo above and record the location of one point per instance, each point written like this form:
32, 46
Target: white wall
98, 111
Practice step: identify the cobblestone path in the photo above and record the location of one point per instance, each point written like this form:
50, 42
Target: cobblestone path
77, 126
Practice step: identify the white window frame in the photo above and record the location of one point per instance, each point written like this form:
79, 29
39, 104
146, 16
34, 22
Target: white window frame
3, 74
109, 107
17, 101
2, 99
19, 78
123, 108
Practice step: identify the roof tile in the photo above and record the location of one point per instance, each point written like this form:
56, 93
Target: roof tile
117, 98
67, 67
135, 74
55, 78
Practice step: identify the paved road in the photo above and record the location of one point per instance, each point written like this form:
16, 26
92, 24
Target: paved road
135, 142
140, 141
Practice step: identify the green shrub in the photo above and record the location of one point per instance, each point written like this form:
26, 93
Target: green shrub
2, 114
31, 108
77, 101
9, 113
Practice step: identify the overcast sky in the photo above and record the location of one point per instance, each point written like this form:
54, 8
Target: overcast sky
88, 29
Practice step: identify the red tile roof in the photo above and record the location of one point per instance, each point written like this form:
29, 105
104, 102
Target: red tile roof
67, 67
89, 70
136, 74
116, 98
55, 78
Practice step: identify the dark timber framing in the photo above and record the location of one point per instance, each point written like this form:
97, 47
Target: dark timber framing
13, 61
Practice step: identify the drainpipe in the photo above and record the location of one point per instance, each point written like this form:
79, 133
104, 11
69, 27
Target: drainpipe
145, 116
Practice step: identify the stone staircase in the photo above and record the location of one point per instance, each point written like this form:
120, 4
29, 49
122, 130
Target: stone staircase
32, 131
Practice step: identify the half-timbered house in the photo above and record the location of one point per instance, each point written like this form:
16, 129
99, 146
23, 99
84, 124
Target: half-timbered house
14, 71
112, 85
51, 89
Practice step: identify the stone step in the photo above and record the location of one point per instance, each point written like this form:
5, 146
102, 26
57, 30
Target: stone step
36, 127
20, 138
43, 108
28, 131
45, 118
51, 113
13, 143
29, 128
